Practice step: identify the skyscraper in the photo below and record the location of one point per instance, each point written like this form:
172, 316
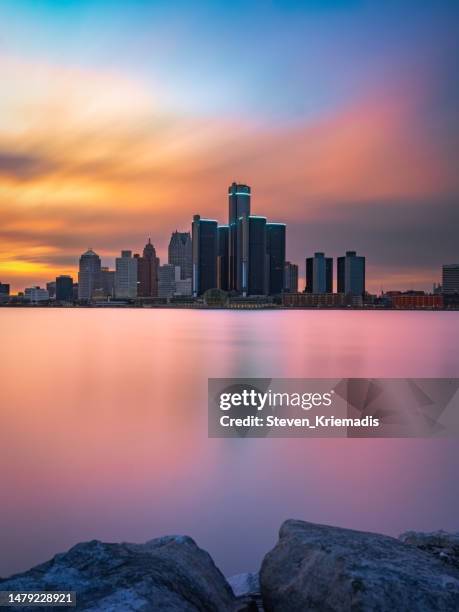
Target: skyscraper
64, 288
450, 278
252, 257
89, 278
319, 274
181, 254
351, 274
238, 205
290, 277
126, 275
275, 245
205, 245
222, 260
147, 272
4, 292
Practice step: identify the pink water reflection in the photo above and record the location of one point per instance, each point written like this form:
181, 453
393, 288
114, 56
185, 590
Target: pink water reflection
104, 429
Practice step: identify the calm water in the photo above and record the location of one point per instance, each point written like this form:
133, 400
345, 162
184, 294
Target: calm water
103, 430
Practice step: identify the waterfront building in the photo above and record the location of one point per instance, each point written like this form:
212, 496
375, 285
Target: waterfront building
319, 274
253, 259
183, 287
148, 272
450, 278
318, 300
351, 274
180, 253
239, 197
108, 282
275, 247
89, 275
4, 292
290, 277
36, 294
205, 245
64, 288
222, 258
126, 275
168, 276
51, 289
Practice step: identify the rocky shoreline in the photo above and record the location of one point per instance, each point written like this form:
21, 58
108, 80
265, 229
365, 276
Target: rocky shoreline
312, 567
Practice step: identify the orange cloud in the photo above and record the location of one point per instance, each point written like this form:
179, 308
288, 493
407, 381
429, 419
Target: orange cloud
97, 159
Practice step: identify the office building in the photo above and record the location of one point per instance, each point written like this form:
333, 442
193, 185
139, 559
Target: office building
108, 282
89, 275
148, 272
351, 274
126, 276
450, 278
64, 288
168, 275
51, 289
238, 205
275, 246
290, 277
180, 253
4, 292
205, 245
183, 287
36, 294
222, 259
253, 261
319, 274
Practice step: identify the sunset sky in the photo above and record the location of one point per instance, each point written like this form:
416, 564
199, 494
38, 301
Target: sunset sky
120, 120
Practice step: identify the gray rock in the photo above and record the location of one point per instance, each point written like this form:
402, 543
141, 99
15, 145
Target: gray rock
320, 568
441, 544
169, 574
246, 588
245, 584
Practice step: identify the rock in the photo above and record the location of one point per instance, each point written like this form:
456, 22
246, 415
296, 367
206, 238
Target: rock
321, 568
246, 588
441, 544
169, 574
245, 584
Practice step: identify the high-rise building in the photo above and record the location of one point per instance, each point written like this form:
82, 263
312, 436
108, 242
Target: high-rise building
290, 277
223, 261
126, 275
180, 253
275, 246
319, 274
205, 245
64, 288
89, 277
148, 271
4, 292
51, 289
238, 205
351, 274
450, 278
108, 282
252, 273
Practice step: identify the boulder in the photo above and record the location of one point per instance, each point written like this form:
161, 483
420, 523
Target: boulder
246, 587
321, 568
441, 544
169, 574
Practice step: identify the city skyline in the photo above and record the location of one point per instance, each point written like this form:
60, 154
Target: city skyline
119, 121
